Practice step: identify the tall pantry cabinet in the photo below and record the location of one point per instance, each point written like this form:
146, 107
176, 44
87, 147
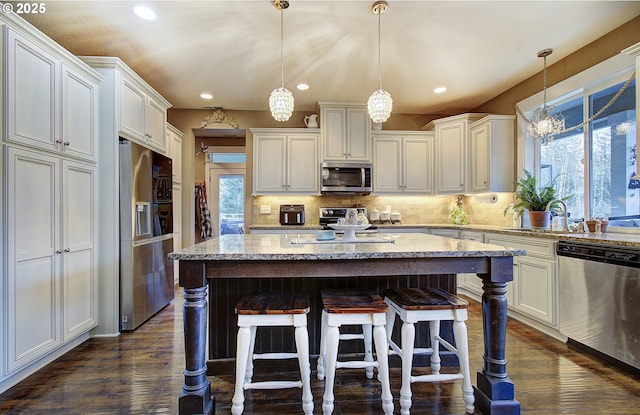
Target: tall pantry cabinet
49, 209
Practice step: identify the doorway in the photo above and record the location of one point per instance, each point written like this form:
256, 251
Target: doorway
226, 182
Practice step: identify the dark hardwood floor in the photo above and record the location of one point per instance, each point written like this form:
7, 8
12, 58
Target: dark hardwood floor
141, 372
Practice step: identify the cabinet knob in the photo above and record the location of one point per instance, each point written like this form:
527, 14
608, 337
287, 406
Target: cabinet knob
67, 250
59, 251
58, 141
66, 143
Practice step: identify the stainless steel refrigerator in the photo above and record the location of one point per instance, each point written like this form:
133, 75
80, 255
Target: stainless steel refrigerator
146, 234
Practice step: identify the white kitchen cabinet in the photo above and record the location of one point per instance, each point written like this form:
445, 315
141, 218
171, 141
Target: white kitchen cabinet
286, 161
403, 162
141, 112
492, 149
451, 154
533, 293
471, 282
346, 132
449, 233
174, 138
50, 105
51, 291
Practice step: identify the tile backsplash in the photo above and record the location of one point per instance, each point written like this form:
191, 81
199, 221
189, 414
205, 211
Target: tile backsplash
481, 209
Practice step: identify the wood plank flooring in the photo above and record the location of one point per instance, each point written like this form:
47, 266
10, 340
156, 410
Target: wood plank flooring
141, 373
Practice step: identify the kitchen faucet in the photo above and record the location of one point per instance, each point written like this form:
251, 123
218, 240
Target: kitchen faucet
564, 208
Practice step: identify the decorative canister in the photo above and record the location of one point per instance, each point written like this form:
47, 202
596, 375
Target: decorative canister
374, 215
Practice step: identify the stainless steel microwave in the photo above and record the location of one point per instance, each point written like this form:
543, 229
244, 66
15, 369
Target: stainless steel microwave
345, 178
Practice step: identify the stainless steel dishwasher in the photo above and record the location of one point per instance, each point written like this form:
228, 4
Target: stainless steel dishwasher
599, 301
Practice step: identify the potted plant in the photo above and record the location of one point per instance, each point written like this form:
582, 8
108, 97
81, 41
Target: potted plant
535, 200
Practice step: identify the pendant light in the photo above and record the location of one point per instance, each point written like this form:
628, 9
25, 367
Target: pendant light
380, 102
545, 122
281, 99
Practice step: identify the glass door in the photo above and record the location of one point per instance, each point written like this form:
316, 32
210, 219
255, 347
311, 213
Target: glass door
227, 199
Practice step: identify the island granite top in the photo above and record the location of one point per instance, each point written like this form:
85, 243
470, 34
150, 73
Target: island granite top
269, 247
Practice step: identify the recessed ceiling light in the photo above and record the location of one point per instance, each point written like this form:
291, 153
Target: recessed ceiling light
144, 13
302, 87
204, 95
440, 89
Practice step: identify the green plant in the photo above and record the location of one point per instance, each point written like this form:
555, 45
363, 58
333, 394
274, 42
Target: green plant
532, 198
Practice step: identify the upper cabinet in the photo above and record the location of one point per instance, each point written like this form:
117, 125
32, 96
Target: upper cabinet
141, 112
452, 136
174, 138
346, 132
403, 162
492, 149
50, 100
285, 160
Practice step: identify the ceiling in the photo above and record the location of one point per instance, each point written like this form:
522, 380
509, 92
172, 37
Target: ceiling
231, 49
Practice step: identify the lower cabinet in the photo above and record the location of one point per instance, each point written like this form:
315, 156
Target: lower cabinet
533, 293
471, 282
51, 295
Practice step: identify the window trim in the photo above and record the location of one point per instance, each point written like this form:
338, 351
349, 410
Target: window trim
598, 77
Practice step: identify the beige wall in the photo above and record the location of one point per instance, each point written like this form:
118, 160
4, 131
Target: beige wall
423, 209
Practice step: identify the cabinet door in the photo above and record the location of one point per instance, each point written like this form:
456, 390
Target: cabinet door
418, 165
175, 143
270, 164
358, 139
534, 282
387, 174
132, 107
177, 226
156, 119
334, 133
79, 289
31, 90
450, 157
33, 257
79, 115
479, 138
303, 164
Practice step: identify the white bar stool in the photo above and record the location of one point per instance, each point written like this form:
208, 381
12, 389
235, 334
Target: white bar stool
271, 309
415, 305
343, 307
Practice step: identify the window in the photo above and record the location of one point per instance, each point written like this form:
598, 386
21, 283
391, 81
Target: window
595, 162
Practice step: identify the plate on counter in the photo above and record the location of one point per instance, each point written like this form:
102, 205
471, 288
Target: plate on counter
348, 227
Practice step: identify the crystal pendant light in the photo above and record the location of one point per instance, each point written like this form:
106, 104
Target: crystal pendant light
380, 102
545, 122
281, 99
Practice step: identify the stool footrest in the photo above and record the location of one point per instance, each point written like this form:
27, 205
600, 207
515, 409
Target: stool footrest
274, 356
348, 336
274, 384
437, 377
356, 364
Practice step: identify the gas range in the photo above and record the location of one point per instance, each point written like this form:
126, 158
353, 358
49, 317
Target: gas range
330, 215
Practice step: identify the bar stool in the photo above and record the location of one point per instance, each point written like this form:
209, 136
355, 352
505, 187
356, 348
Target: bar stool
271, 309
342, 307
415, 305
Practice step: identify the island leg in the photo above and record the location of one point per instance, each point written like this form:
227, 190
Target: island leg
195, 397
495, 392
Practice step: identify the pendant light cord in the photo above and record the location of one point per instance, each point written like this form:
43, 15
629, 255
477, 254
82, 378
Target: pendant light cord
282, 47
379, 48
544, 83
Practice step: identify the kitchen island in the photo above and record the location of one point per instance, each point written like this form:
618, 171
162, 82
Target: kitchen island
288, 256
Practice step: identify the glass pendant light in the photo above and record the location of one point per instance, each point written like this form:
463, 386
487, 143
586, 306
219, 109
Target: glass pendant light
380, 102
545, 122
281, 99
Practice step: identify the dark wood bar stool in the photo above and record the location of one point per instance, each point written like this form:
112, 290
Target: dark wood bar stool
345, 307
275, 309
431, 305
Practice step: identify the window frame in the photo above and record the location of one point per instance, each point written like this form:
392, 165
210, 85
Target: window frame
592, 80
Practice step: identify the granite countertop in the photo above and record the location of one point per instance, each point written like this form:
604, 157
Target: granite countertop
287, 247
608, 238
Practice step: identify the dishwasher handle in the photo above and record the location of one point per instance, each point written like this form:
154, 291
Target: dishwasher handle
609, 254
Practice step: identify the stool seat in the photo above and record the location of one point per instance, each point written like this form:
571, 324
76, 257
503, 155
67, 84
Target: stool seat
273, 303
349, 307
413, 305
271, 309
